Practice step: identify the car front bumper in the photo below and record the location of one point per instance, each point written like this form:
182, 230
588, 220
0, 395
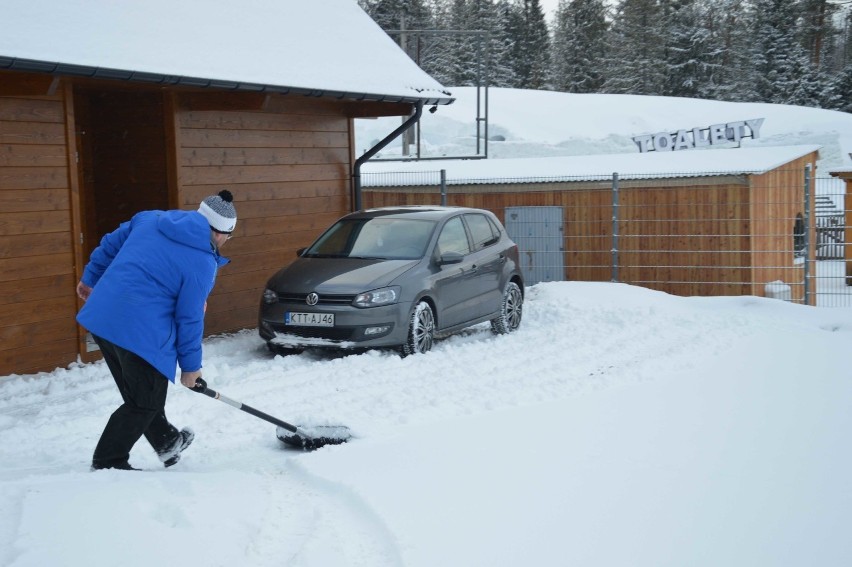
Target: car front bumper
353, 328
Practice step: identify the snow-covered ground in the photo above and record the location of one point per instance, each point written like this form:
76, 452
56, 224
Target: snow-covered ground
618, 426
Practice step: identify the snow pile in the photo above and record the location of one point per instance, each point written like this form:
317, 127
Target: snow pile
546, 123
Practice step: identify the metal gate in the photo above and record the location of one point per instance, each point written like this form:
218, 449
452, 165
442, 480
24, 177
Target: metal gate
539, 235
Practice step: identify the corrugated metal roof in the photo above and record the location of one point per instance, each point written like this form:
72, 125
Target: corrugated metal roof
317, 48
693, 163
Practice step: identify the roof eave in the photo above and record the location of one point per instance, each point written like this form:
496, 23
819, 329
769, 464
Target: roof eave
69, 70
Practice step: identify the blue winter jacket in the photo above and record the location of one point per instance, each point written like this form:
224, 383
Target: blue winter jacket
150, 279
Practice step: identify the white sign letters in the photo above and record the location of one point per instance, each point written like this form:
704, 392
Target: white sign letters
699, 137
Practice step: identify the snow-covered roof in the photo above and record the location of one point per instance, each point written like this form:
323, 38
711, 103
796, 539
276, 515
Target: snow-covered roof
321, 48
693, 163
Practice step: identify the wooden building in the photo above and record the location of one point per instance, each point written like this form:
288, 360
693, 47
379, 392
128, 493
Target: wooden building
711, 222
108, 109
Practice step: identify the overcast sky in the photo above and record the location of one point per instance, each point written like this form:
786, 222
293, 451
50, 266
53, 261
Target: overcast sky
549, 7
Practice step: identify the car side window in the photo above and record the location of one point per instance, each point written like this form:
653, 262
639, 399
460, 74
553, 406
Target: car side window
453, 238
481, 230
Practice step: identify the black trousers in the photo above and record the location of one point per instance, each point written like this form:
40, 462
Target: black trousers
143, 390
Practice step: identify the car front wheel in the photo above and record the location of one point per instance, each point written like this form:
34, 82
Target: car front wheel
421, 330
511, 311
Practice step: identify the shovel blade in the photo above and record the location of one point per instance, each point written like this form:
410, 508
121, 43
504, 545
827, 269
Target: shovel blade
314, 437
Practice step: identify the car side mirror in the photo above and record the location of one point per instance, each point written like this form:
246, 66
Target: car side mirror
450, 258
300, 251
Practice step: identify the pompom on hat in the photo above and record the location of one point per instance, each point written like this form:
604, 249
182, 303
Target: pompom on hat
220, 212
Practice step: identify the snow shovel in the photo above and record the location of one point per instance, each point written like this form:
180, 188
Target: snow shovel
302, 437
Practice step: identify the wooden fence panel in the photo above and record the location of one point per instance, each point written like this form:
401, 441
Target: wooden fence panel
37, 327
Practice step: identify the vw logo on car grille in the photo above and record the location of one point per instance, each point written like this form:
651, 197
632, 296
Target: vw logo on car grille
312, 298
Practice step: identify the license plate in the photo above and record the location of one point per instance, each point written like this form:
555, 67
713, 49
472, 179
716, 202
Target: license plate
309, 319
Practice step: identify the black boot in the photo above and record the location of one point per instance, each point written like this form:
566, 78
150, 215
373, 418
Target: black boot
122, 466
171, 455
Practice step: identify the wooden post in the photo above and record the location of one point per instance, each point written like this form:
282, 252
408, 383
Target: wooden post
846, 176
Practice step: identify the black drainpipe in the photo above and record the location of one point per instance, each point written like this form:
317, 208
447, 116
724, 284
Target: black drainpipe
356, 172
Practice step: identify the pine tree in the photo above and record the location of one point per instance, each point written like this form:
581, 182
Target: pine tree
691, 55
466, 49
778, 61
502, 42
482, 56
459, 42
398, 14
811, 88
394, 16
530, 52
844, 47
842, 87
818, 33
782, 51
579, 46
726, 24
436, 51
636, 56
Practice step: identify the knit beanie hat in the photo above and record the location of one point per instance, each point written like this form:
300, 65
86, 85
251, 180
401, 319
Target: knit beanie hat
219, 211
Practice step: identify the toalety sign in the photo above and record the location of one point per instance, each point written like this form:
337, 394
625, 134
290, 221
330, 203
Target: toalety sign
699, 137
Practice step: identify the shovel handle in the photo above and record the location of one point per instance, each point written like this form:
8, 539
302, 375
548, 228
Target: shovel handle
201, 388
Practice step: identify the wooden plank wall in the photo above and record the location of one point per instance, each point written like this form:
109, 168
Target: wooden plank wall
687, 239
681, 237
288, 166
776, 198
37, 298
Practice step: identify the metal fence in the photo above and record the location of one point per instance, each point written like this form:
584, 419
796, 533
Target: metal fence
780, 234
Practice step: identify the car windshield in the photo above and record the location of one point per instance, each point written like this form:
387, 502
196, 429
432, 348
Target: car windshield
376, 238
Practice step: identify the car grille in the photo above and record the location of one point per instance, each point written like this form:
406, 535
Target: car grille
323, 299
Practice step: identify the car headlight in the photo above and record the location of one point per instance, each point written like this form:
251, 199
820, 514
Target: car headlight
384, 296
269, 296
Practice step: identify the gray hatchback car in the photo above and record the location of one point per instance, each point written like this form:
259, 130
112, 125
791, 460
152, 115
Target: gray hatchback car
395, 278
